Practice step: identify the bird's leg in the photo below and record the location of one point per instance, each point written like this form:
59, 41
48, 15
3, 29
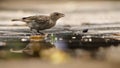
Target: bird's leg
34, 32
41, 33
37, 31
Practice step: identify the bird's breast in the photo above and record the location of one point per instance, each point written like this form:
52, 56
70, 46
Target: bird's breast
51, 24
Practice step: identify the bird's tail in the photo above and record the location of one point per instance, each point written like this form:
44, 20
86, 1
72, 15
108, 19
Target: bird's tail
16, 20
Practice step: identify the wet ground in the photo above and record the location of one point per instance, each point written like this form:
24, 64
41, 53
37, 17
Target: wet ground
103, 13
106, 58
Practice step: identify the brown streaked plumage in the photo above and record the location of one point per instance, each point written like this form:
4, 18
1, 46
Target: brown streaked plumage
41, 22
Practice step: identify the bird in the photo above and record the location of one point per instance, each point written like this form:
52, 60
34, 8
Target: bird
41, 22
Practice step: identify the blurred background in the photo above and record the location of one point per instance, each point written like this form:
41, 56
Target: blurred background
76, 11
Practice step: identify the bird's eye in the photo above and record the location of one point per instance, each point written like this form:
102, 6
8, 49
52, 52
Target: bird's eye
56, 14
24, 18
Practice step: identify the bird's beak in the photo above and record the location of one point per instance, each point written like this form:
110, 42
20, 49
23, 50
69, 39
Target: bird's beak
62, 15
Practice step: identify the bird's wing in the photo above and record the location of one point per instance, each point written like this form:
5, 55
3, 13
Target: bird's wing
42, 19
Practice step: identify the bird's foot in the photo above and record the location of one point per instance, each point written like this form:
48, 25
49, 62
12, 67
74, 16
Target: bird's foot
36, 32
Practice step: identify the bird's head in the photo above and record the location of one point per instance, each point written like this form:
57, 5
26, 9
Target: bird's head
56, 15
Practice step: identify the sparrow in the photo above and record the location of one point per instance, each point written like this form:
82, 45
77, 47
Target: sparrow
41, 22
